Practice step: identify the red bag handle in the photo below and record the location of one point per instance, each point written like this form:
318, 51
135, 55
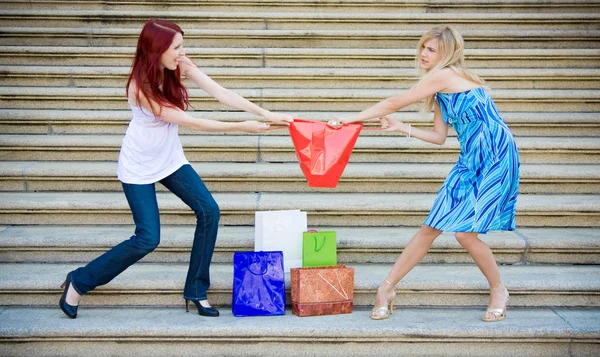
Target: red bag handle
279, 127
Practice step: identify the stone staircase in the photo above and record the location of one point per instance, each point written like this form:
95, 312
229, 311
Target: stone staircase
63, 68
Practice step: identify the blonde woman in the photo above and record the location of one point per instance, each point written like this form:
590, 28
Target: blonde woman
480, 192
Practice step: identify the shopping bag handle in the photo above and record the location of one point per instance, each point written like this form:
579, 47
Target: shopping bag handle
279, 126
316, 243
312, 230
250, 261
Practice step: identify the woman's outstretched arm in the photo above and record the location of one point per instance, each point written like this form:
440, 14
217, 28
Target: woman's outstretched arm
180, 117
431, 85
226, 96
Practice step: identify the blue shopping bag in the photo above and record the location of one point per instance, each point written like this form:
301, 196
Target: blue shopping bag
258, 284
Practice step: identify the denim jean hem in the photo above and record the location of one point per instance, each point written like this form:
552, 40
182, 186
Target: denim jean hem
75, 286
195, 298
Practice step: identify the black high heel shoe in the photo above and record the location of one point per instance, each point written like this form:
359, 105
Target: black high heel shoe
204, 311
69, 310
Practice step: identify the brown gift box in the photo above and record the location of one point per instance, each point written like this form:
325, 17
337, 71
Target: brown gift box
322, 290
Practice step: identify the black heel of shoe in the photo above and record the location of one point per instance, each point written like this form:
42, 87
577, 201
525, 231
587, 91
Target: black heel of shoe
69, 310
204, 311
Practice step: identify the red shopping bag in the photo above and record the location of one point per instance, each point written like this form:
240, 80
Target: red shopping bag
322, 151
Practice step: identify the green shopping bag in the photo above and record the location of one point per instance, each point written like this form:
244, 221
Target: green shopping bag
319, 249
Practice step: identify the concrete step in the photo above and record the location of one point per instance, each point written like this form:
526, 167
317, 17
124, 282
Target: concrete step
63, 244
57, 121
306, 78
88, 176
343, 209
548, 332
299, 99
277, 149
388, 6
42, 237
308, 20
449, 285
301, 57
505, 37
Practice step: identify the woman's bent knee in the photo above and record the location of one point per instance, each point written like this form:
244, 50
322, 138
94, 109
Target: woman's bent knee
429, 231
146, 242
209, 211
465, 238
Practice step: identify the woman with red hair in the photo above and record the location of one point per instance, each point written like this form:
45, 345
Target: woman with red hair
151, 152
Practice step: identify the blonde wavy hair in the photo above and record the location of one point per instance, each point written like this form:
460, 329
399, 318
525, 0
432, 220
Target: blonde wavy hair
451, 50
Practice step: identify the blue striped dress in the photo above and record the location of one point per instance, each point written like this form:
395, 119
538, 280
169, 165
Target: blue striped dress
480, 192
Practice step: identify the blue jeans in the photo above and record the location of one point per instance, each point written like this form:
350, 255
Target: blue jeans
187, 185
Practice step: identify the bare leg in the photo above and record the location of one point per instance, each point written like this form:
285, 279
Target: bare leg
483, 257
72, 297
204, 303
412, 254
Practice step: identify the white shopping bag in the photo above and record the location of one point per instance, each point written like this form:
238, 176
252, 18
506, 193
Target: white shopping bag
281, 230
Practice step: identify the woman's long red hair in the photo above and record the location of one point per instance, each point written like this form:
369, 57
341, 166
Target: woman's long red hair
146, 72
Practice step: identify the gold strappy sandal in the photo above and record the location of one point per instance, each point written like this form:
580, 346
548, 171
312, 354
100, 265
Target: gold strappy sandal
383, 312
495, 315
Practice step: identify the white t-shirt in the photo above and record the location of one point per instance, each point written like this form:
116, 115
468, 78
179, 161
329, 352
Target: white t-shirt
151, 149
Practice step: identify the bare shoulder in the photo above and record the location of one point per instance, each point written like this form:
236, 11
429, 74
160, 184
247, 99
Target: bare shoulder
439, 80
442, 76
131, 91
445, 74
135, 96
